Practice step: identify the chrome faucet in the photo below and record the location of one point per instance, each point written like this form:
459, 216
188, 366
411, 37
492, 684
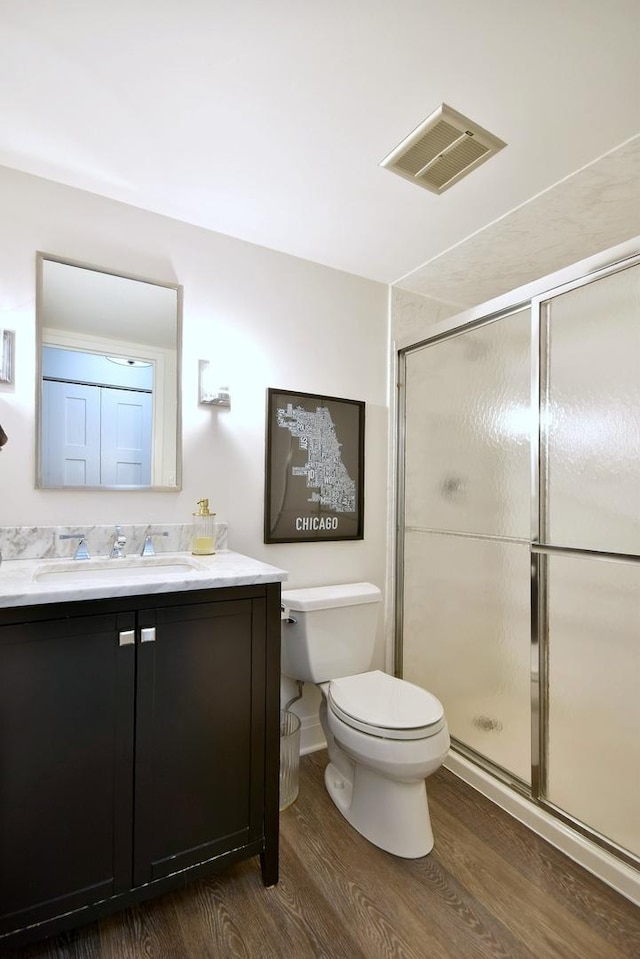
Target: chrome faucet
81, 549
119, 543
147, 549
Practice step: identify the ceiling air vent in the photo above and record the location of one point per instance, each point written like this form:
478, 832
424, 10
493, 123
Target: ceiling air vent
444, 148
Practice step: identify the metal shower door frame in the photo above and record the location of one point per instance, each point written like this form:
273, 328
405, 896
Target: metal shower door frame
537, 297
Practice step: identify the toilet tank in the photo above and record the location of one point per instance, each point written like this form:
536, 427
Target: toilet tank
333, 633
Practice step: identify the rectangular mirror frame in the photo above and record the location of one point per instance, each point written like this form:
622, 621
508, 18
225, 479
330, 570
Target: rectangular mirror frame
41, 258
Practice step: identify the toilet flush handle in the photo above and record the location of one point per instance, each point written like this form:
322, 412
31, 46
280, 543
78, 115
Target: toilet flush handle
285, 615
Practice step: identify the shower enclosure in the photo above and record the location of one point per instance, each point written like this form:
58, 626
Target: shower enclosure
519, 545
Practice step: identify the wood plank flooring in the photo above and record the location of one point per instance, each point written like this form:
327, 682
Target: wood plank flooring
490, 889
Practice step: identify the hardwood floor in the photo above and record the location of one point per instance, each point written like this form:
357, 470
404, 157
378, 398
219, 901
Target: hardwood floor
490, 889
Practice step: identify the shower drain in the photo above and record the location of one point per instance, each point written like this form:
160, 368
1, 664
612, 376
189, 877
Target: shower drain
487, 723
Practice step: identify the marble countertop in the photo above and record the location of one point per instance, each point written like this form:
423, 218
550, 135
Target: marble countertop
31, 582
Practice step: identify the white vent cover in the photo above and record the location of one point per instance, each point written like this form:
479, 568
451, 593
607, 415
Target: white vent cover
444, 148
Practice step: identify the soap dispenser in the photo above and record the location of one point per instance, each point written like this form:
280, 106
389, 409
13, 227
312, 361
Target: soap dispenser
204, 543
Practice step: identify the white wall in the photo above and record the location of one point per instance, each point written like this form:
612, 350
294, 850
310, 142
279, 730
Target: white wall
268, 319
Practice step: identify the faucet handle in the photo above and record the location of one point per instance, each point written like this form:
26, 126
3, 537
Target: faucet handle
81, 549
147, 549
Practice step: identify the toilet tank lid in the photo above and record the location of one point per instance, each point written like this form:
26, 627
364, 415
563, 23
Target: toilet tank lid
329, 597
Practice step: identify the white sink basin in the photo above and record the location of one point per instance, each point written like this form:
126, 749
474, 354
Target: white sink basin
129, 568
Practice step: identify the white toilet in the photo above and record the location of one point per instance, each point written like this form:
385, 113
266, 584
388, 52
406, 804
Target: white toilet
384, 735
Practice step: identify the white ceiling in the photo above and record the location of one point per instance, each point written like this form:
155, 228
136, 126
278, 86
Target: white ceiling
267, 119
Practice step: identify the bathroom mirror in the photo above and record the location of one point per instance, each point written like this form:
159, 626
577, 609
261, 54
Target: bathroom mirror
108, 379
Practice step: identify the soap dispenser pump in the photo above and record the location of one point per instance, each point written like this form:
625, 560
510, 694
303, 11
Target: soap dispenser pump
204, 543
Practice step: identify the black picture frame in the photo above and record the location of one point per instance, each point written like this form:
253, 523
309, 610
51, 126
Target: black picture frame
314, 475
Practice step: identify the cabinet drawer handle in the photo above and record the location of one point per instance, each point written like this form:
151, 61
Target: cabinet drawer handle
127, 637
148, 635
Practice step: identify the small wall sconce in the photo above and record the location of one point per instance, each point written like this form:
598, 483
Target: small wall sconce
6, 355
209, 392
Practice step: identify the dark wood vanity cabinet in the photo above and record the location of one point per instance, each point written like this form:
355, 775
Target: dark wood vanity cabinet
139, 748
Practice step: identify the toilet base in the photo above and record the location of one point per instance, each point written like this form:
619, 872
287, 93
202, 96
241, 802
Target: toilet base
392, 815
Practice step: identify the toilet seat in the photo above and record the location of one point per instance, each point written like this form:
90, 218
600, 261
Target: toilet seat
384, 706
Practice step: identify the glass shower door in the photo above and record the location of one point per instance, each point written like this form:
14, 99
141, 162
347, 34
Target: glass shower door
546, 694
466, 590
591, 531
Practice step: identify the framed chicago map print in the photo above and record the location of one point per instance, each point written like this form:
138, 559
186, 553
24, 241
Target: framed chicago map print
314, 487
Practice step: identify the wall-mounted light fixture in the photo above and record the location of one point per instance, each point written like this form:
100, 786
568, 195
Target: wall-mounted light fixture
6, 356
210, 393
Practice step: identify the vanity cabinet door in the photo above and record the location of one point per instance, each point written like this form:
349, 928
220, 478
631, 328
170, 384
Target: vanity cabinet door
66, 752
199, 766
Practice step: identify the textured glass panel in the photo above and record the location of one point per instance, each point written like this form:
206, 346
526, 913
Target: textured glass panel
594, 693
593, 453
466, 638
467, 422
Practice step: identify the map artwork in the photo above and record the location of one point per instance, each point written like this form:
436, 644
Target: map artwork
326, 474
314, 468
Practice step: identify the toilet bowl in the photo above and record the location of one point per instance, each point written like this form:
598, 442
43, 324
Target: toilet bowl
384, 735
381, 749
